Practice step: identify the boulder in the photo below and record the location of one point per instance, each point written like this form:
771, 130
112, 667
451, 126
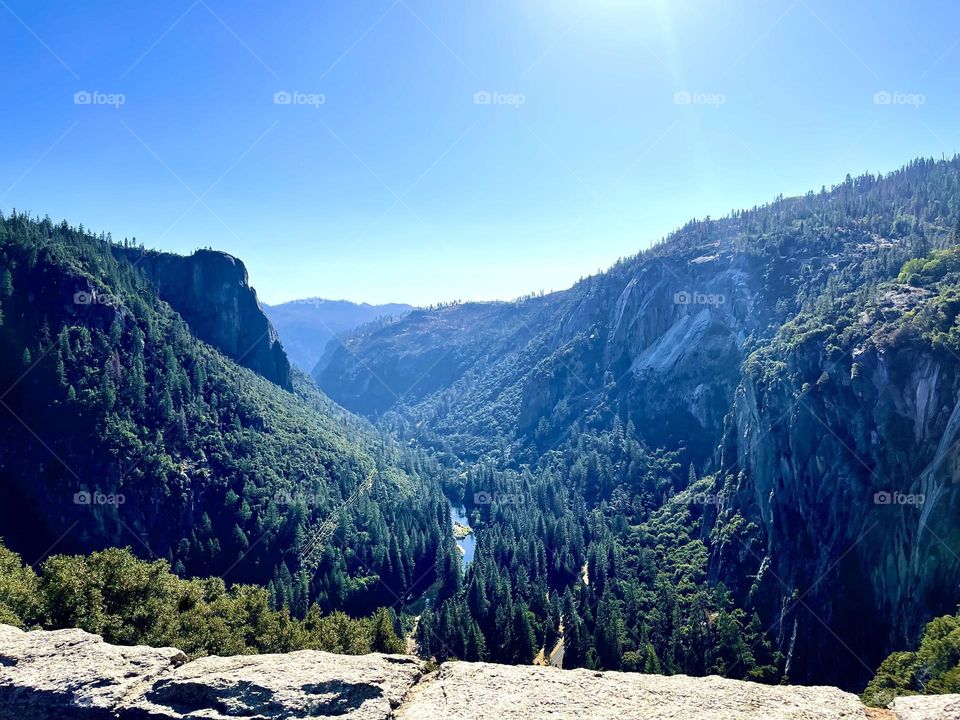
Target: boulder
66, 674
73, 675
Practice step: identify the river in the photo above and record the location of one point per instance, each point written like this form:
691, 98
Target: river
466, 544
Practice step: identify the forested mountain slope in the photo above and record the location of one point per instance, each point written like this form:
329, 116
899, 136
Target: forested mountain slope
790, 371
120, 426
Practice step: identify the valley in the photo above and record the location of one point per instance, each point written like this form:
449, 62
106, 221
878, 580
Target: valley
706, 460
790, 364
413, 359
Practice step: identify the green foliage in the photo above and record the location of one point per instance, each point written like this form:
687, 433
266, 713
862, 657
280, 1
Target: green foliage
19, 592
924, 271
129, 602
131, 404
933, 669
602, 536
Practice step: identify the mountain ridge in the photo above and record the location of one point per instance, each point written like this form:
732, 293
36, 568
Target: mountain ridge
673, 341
115, 406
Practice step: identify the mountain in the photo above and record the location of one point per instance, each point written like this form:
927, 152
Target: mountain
306, 326
129, 419
713, 459
798, 358
210, 290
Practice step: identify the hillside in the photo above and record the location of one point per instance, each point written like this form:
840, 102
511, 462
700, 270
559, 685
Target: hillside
306, 326
122, 426
787, 371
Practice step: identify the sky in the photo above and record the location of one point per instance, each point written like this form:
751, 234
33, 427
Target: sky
426, 151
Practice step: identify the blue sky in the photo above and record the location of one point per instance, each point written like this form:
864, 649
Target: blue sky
454, 149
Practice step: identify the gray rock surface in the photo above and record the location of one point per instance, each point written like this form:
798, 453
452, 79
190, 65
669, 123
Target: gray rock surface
67, 674
211, 291
480, 690
304, 684
927, 707
73, 675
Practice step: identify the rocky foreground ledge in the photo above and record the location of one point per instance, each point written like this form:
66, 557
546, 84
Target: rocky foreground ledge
68, 674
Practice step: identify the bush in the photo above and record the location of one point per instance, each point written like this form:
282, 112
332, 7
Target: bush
933, 669
129, 602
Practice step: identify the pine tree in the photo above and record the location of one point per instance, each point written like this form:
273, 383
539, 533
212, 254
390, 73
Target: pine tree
574, 642
523, 642
609, 632
383, 636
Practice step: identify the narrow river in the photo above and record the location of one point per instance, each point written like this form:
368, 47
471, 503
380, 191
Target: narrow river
467, 544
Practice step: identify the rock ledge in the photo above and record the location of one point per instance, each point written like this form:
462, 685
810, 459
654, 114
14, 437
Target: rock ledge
73, 675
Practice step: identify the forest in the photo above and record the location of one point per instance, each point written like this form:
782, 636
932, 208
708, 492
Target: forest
221, 513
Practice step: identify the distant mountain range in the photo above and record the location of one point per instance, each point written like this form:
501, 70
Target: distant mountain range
306, 326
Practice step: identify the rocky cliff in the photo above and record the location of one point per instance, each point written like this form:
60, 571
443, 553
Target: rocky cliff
848, 463
71, 674
211, 291
660, 339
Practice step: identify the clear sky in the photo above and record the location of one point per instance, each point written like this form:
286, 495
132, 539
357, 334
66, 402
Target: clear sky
435, 150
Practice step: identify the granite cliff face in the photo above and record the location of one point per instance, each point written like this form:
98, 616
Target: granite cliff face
211, 291
850, 466
661, 340
73, 675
